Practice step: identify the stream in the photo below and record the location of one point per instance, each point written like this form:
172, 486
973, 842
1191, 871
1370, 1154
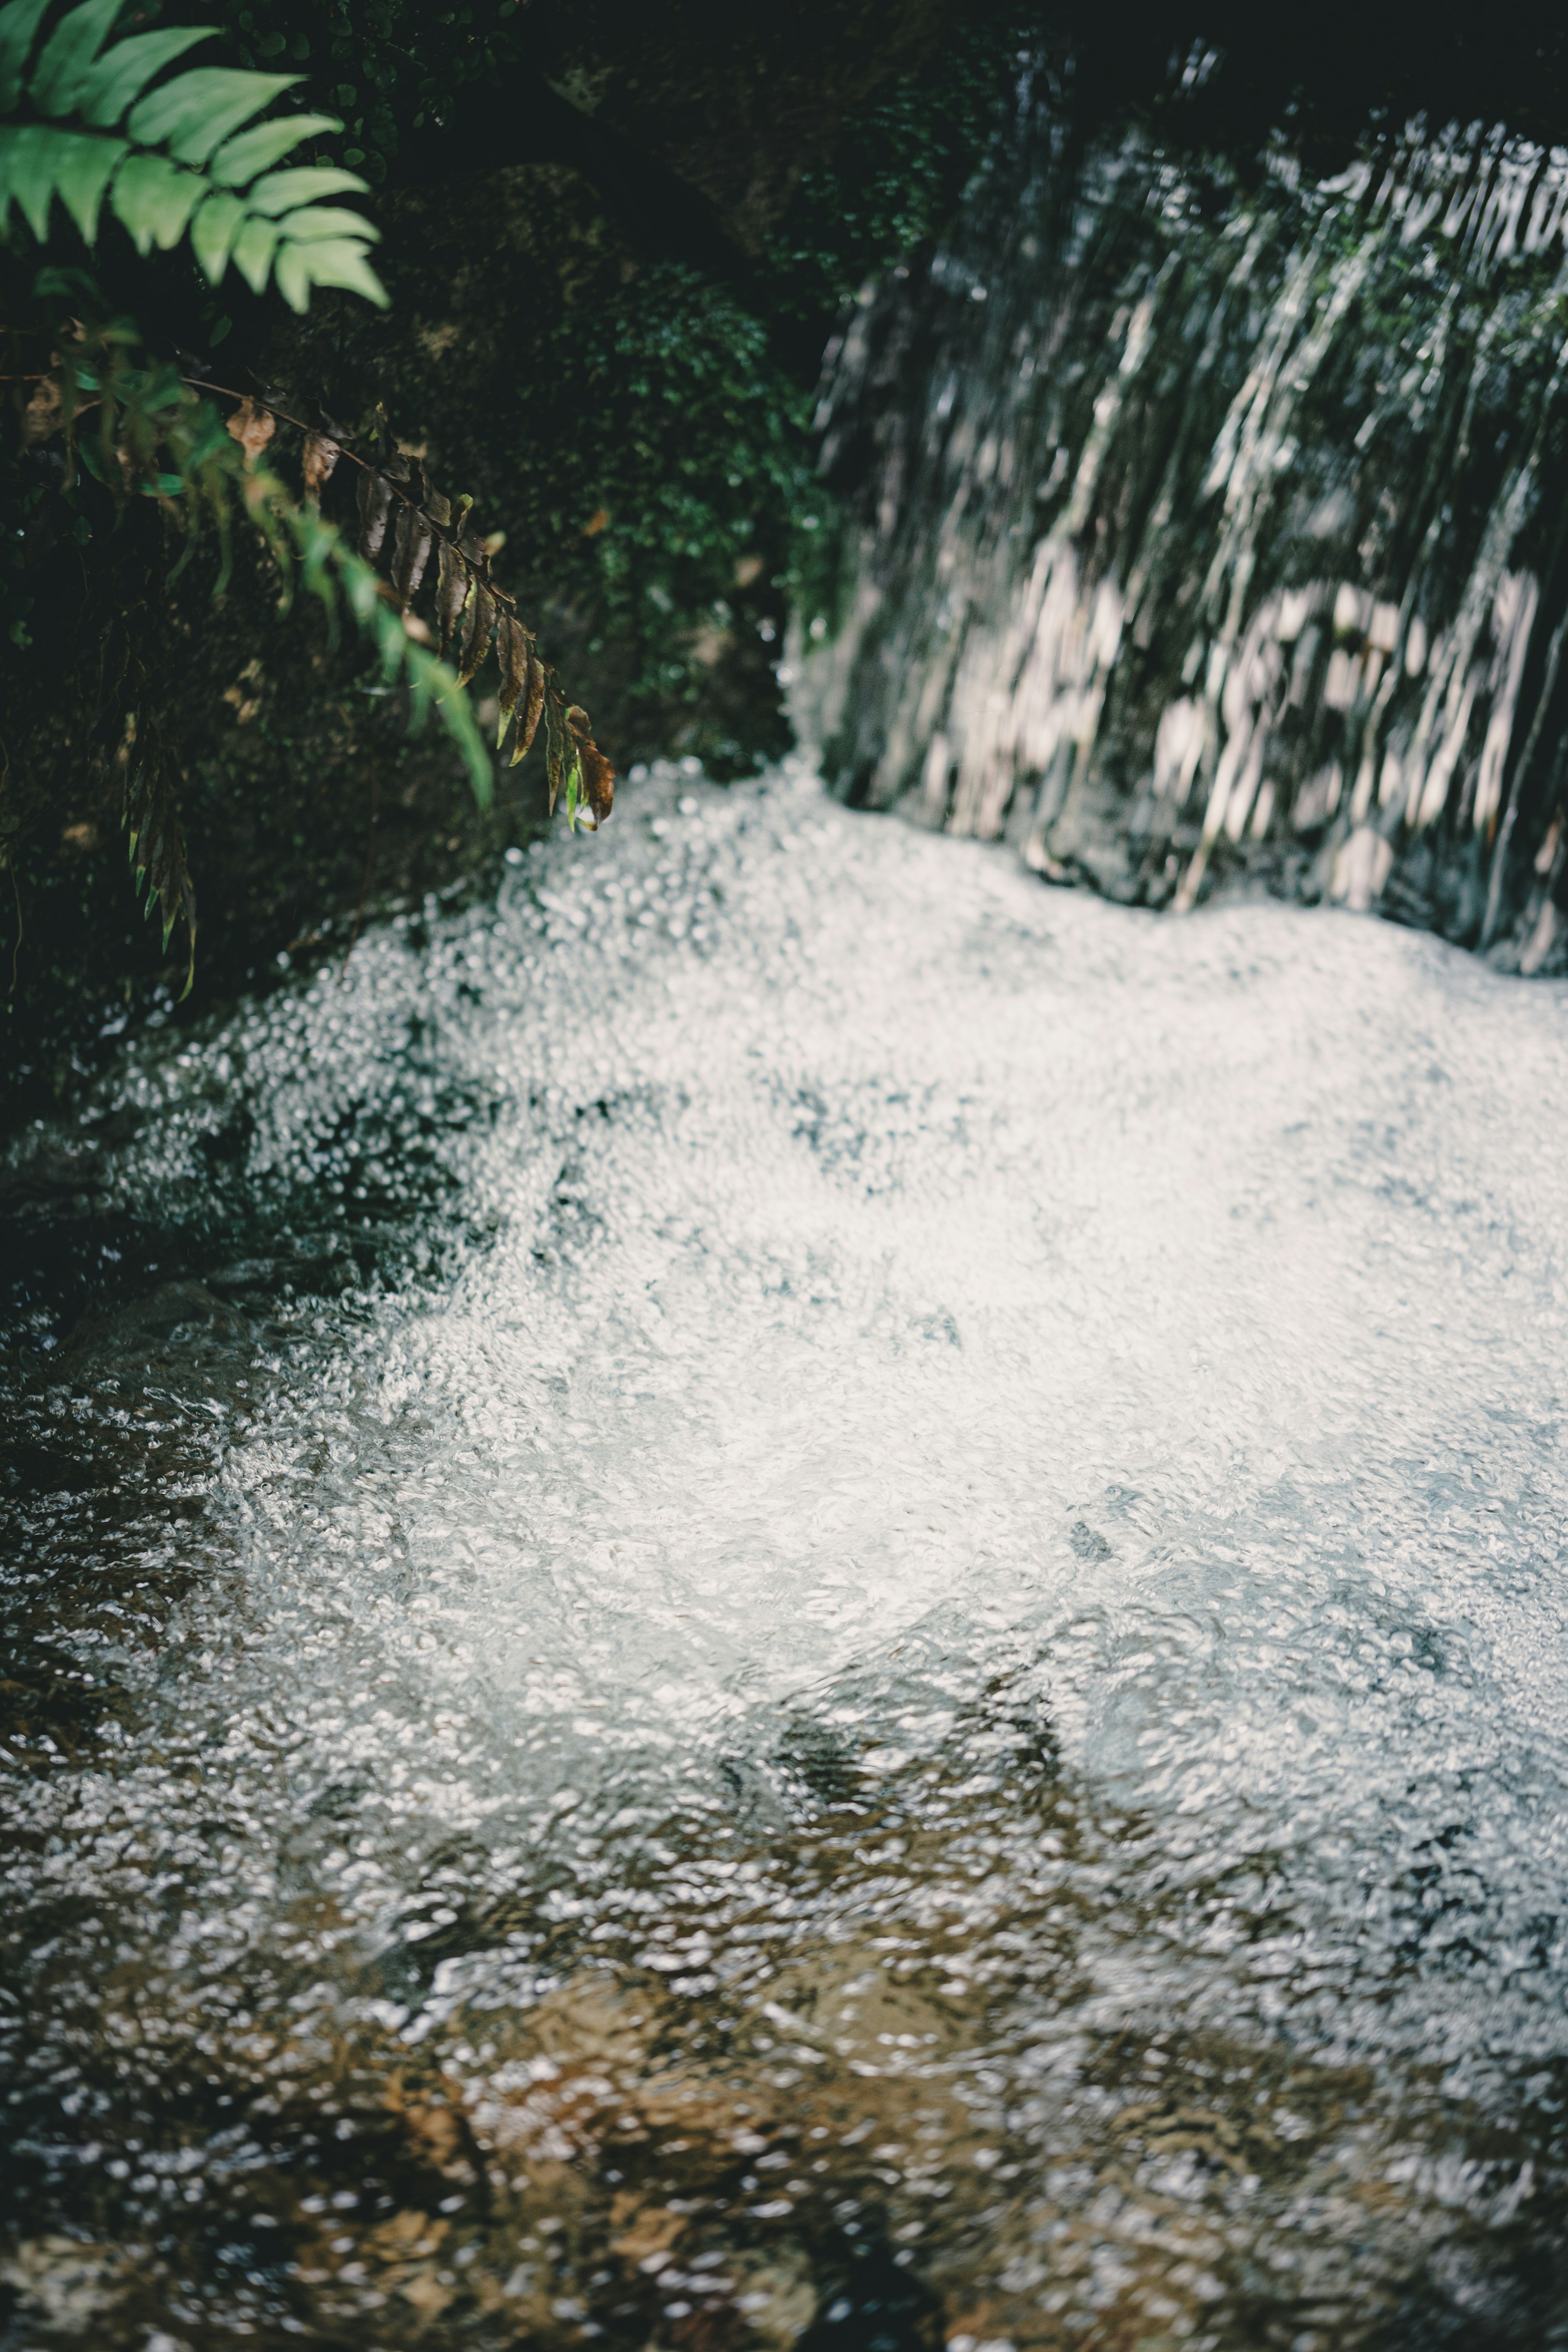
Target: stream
784, 1592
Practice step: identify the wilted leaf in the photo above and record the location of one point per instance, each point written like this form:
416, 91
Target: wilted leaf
477, 634
532, 704
44, 413
556, 748
411, 553
598, 781
451, 588
253, 427
512, 649
321, 456
598, 777
374, 501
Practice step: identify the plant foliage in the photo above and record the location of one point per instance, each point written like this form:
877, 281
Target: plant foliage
89, 126
100, 131
405, 520
142, 429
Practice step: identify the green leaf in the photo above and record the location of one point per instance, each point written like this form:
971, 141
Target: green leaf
294, 281
213, 231
239, 159
28, 158
154, 199
83, 171
197, 111
19, 23
336, 262
124, 73
320, 221
280, 191
253, 249
69, 54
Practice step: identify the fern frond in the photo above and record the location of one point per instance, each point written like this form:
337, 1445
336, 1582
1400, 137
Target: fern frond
171, 159
157, 845
336, 575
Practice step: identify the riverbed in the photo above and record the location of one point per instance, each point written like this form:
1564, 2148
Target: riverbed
784, 1592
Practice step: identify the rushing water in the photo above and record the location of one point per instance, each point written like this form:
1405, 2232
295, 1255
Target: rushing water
1212, 523
787, 1592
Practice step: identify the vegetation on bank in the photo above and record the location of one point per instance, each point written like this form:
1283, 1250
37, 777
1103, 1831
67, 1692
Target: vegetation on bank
603, 328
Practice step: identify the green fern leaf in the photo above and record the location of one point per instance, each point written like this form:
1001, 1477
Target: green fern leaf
155, 200
253, 251
239, 159
197, 111
281, 191
213, 231
69, 54
337, 261
19, 23
83, 169
30, 158
121, 77
293, 274
318, 221
198, 118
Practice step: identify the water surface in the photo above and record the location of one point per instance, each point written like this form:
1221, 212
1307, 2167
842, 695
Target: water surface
795, 1593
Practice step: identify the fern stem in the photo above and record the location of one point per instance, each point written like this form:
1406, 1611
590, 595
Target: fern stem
203, 383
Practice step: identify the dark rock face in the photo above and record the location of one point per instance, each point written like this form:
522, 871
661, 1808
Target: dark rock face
1212, 532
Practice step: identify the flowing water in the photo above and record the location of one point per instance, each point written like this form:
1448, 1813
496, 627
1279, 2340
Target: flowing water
1211, 523
782, 1593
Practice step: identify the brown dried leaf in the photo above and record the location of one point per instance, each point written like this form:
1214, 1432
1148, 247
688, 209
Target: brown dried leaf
44, 413
512, 648
598, 781
532, 704
598, 776
374, 502
411, 553
451, 588
477, 634
321, 456
253, 427
555, 743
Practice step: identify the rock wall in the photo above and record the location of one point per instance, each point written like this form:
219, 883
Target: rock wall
1210, 528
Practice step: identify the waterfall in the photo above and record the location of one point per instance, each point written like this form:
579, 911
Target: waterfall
1207, 526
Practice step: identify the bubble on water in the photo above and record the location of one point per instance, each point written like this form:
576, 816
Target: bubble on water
953, 1503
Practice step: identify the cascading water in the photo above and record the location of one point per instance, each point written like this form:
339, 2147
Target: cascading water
1216, 529
801, 1597
784, 1595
